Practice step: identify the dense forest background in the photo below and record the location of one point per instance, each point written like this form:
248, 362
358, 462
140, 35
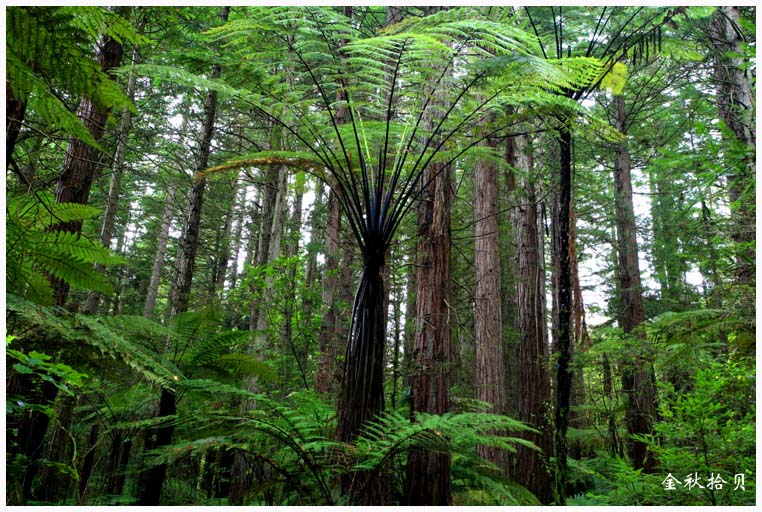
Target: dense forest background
380, 255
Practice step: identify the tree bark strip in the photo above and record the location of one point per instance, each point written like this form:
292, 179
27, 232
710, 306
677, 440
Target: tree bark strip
533, 382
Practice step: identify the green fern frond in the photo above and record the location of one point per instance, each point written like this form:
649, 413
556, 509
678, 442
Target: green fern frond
49, 49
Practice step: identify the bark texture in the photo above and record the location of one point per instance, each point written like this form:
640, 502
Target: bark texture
563, 292
328, 344
533, 383
81, 161
488, 327
428, 473
637, 382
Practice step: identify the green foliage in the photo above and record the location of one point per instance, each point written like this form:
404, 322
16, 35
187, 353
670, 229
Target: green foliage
35, 250
615, 79
50, 63
90, 331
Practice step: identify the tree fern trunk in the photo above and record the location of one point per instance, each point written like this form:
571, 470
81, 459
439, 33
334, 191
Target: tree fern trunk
362, 397
88, 464
54, 485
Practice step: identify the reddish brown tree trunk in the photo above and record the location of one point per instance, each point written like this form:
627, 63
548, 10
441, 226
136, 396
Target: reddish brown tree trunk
636, 378
428, 473
563, 316
81, 161
490, 373
533, 393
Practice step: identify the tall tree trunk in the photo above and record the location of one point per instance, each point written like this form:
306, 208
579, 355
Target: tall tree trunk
266, 221
428, 473
736, 106
490, 374
81, 160
327, 340
152, 480
533, 381
636, 377
428, 479
580, 341
161, 251
316, 233
563, 323
109, 217
73, 186
223, 247
292, 250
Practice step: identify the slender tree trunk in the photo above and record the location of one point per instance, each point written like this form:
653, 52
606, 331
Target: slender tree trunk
237, 241
316, 233
398, 333
109, 218
736, 106
580, 342
223, 253
266, 220
119, 456
292, 250
636, 377
533, 381
614, 445
328, 342
563, 322
161, 251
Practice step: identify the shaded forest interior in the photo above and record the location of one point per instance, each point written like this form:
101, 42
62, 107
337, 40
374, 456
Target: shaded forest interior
380, 255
